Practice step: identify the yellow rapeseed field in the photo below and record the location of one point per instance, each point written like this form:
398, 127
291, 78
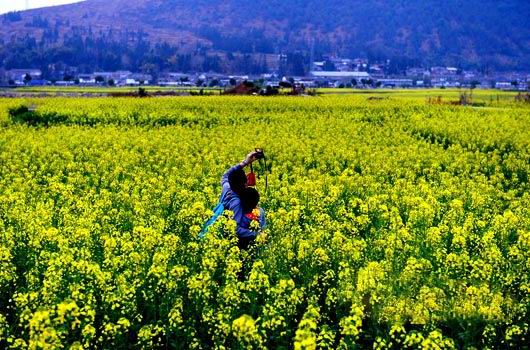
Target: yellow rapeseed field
391, 224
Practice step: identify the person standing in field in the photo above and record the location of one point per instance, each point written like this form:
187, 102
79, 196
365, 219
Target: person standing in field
243, 201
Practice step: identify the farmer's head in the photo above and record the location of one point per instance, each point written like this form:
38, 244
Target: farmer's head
249, 199
237, 180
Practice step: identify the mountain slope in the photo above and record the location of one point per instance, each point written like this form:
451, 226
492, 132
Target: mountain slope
468, 33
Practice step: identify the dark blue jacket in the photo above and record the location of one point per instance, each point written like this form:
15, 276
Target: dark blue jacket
232, 202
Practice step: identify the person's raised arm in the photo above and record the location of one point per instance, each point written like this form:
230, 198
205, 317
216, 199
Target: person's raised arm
249, 159
224, 179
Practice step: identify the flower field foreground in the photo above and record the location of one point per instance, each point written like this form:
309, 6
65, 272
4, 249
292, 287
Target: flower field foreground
391, 224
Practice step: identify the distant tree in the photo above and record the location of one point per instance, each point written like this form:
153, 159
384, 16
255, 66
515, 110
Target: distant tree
269, 91
38, 22
474, 84
68, 77
184, 63
354, 82
341, 86
297, 64
285, 84
151, 69
211, 64
233, 82
378, 84
111, 82
293, 64
99, 79
11, 82
142, 92
76, 81
199, 82
13, 16
27, 79
515, 83
213, 82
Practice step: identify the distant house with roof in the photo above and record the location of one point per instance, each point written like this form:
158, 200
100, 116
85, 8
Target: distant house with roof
444, 71
340, 75
318, 65
19, 75
117, 76
391, 82
504, 85
417, 72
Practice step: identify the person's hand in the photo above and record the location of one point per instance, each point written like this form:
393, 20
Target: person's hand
249, 159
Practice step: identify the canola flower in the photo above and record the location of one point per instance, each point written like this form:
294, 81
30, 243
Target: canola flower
391, 224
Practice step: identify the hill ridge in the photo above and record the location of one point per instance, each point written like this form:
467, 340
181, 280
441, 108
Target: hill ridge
478, 34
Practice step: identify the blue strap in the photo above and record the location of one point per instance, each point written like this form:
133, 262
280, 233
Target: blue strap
217, 211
